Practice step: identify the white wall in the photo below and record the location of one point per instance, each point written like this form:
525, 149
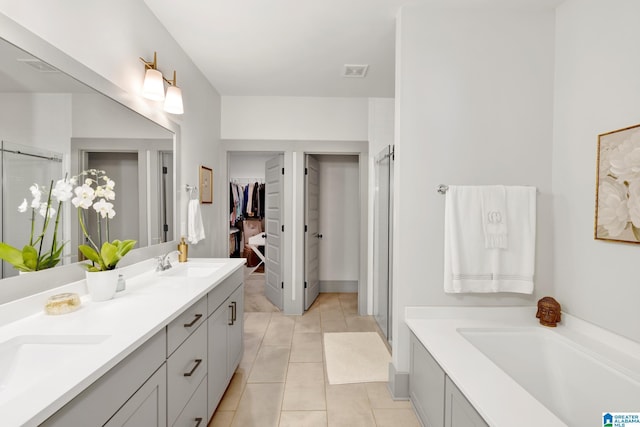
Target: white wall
248, 165
597, 91
474, 99
286, 118
109, 38
339, 218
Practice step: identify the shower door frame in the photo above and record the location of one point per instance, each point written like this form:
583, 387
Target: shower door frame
386, 153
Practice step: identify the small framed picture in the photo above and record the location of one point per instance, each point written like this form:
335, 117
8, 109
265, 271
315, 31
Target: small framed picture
206, 185
618, 186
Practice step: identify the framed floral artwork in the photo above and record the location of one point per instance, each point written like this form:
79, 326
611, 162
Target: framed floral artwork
618, 186
206, 185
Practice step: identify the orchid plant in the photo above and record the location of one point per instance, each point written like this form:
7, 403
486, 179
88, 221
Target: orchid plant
34, 256
103, 254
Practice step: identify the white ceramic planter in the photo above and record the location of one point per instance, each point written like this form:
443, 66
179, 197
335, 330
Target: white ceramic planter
102, 284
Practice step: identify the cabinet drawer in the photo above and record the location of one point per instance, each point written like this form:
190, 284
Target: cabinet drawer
221, 292
185, 324
186, 368
195, 413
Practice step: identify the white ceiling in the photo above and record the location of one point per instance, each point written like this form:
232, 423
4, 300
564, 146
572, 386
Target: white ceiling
287, 47
297, 47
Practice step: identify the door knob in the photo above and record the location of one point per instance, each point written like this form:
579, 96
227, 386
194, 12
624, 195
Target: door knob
319, 236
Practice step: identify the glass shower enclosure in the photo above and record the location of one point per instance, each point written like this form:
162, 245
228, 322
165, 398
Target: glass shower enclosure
22, 166
382, 239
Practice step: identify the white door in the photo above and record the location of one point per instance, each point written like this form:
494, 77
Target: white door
274, 189
311, 235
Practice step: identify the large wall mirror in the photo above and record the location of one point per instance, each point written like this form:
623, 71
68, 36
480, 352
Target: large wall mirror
52, 125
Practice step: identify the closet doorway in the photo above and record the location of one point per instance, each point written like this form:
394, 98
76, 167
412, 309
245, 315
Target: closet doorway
253, 213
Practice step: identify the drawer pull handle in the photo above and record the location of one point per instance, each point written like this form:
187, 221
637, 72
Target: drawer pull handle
193, 322
198, 421
233, 310
198, 362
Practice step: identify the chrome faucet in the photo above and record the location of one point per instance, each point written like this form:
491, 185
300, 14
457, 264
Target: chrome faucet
163, 261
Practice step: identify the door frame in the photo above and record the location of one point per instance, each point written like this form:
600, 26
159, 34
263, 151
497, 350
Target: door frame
294, 154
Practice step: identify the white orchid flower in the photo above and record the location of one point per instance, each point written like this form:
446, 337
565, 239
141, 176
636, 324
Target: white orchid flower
106, 193
43, 210
104, 208
37, 195
23, 207
63, 190
84, 196
110, 183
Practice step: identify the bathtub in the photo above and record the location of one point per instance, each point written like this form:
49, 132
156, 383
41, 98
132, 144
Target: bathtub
575, 383
516, 372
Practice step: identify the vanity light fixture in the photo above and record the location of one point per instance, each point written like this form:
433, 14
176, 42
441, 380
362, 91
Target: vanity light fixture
153, 86
173, 100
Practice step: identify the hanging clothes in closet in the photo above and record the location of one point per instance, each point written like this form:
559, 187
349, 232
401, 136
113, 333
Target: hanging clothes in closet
245, 201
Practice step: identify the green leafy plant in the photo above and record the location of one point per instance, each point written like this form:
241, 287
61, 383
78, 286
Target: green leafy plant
103, 254
34, 256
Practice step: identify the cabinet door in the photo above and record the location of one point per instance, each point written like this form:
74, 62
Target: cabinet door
217, 355
426, 385
147, 407
235, 331
97, 404
458, 411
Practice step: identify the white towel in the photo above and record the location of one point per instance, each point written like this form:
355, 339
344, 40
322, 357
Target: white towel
494, 216
194, 222
468, 265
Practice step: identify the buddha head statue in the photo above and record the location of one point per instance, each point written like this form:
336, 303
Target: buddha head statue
548, 312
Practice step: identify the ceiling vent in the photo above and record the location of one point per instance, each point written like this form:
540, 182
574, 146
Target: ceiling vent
42, 67
351, 70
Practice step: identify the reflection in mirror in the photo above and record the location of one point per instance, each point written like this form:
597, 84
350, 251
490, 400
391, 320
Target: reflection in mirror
52, 125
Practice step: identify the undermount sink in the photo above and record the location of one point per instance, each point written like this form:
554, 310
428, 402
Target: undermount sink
26, 359
193, 269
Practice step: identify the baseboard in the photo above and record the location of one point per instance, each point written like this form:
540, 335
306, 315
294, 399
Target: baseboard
344, 286
398, 384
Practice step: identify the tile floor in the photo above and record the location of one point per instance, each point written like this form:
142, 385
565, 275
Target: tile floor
281, 380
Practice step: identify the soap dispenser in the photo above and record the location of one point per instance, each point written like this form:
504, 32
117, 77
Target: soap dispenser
184, 250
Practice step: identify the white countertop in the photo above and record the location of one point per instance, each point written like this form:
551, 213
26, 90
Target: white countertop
498, 398
147, 305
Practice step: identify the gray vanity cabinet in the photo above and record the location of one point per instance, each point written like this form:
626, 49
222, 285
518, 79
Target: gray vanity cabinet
235, 334
437, 400
146, 407
225, 340
187, 365
176, 378
135, 389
